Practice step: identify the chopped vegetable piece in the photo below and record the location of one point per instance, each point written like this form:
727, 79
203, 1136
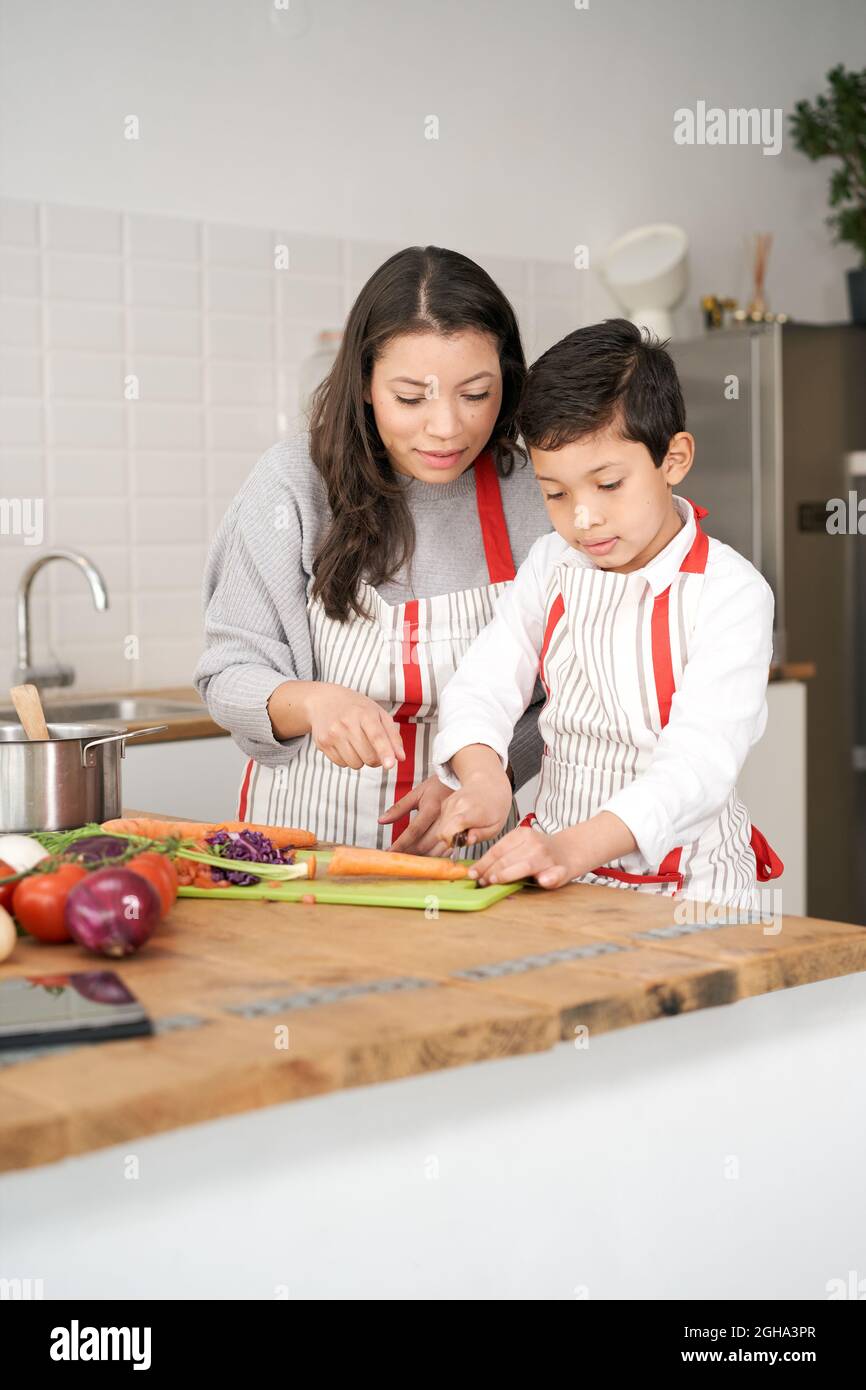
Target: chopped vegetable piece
250, 845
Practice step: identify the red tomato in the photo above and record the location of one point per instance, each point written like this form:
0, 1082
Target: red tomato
160, 871
38, 902
6, 893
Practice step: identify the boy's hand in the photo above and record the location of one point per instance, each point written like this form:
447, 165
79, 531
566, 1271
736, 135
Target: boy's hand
480, 807
427, 800
526, 853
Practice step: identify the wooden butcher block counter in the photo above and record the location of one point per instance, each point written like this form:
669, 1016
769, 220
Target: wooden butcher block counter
259, 1003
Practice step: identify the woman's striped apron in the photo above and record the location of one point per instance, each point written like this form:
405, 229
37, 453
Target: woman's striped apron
401, 656
611, 660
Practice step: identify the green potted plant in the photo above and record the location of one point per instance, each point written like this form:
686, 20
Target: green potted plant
836, 126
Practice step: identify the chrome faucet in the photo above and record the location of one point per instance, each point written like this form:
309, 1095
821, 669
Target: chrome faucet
25, 673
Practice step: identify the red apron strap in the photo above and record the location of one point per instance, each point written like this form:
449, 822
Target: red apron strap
663, 669
556, 612
622, 877
494, 531
405, 715
696, 560
245, 790
769, 865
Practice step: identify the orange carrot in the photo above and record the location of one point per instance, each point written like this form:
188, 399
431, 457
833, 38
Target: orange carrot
348, 860
284, 837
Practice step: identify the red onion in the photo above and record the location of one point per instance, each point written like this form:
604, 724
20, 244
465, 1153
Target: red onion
112, 912
91, 848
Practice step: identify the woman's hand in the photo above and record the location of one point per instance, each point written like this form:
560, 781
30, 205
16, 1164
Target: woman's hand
427, 800
351, 729
480, 807
527, 853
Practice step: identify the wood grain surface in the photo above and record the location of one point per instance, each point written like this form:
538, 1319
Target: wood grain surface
363, 994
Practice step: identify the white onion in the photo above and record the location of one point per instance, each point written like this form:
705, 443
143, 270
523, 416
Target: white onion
8, 935
20, 852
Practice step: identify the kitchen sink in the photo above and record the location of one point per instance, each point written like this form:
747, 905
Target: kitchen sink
123, 710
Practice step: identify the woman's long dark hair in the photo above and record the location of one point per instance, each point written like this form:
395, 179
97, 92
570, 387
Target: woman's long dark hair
419, 290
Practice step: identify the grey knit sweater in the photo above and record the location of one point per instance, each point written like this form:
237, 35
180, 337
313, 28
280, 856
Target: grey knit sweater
260, 563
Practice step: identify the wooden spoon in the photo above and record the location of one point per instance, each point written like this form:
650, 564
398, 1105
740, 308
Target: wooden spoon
28, 707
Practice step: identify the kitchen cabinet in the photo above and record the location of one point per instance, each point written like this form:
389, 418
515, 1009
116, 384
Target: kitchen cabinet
194, 779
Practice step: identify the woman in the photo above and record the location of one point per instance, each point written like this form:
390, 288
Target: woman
357, 563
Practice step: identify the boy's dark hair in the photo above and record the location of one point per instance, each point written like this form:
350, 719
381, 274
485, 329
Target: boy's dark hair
603, 373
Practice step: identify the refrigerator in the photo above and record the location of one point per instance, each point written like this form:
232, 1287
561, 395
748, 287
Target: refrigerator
778, 412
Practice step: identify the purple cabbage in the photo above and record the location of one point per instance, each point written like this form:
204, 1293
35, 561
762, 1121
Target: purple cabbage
250, 845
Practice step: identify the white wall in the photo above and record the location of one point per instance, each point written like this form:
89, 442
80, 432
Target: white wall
307, 124
556, 124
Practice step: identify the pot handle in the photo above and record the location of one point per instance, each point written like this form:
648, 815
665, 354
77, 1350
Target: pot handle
121, 738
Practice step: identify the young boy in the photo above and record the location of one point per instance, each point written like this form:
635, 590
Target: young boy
652, 640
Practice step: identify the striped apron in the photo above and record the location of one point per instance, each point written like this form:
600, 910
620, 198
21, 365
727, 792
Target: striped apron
611, 659
401, 656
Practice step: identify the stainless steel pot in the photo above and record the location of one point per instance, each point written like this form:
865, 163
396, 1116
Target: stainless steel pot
70, 779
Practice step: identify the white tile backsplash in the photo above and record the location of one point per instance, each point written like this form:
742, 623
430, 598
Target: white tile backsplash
241, 383
84, 326
173, 332
171, 567
92, 376
156, 473
82, 229
215, 334
90, 474
20, 374
251, 430
22, 472
83, 277
77, 618
89, 521
251, 248
19, 323
312, 255
155, 284
235, 338
167, 378
19, 273
154, 523
239, 292
20, 422
90, 424
166, 426
177, 612
321, 300
19, 223
163, 238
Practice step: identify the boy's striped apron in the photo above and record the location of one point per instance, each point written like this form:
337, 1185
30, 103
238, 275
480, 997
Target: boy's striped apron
611, 660
401, 656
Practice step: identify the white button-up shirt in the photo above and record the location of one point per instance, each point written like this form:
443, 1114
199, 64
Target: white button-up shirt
718, 712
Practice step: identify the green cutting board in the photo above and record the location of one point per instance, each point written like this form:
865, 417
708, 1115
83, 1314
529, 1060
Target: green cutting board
450, 895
